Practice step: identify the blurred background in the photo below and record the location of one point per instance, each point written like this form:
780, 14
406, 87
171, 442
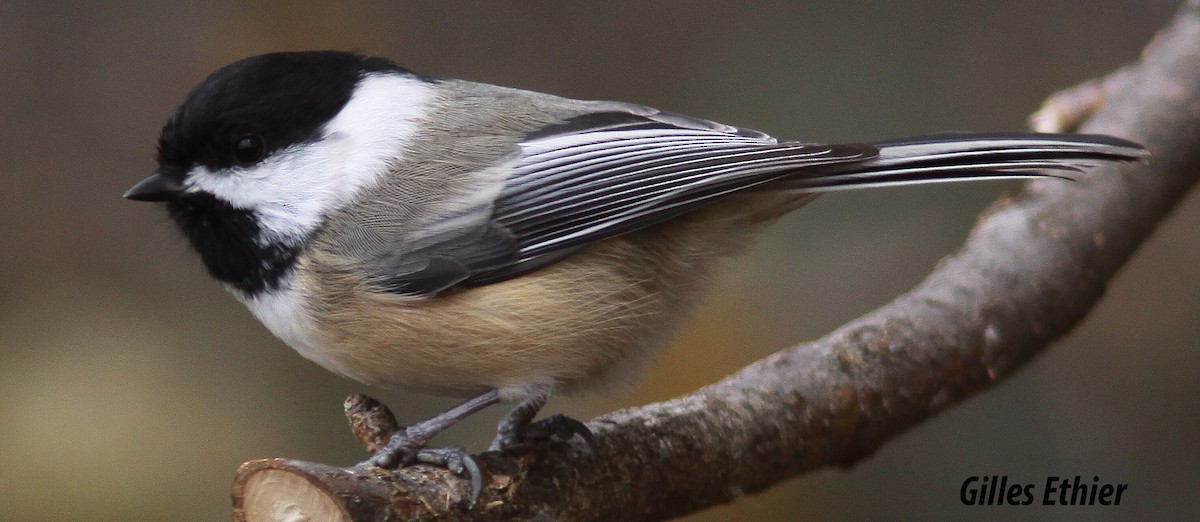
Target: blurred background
133, 386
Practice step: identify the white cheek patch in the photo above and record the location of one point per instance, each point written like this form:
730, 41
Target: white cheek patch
293, 190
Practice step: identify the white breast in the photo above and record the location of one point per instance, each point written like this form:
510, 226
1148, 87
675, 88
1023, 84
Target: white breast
284, 313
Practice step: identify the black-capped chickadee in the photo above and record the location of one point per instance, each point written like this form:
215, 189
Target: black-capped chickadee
466, 239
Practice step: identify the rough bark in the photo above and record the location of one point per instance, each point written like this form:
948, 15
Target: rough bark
1030, 271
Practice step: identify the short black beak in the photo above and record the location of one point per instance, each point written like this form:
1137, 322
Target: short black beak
155, 188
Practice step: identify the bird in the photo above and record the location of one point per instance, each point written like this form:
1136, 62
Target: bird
496, 244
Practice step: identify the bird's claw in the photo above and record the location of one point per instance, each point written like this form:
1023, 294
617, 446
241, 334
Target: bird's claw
458, 462
403, 451
558, 427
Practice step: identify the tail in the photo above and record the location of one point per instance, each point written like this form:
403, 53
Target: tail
970, 156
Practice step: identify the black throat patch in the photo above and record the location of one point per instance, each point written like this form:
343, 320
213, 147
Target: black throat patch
227, 240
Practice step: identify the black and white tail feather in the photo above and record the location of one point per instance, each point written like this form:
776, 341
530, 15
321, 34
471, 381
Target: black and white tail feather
950, 157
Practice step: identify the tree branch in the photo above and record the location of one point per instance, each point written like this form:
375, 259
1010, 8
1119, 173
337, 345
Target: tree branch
1030, 271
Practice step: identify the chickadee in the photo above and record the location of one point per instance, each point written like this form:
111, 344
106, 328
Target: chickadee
466, 239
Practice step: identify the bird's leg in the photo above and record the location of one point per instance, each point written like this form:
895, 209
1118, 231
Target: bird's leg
405, 445
518, 426
508, 432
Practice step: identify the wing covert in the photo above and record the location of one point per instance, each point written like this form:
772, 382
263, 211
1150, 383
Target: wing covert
595, 176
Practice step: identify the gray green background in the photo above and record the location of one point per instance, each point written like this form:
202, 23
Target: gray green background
131, 386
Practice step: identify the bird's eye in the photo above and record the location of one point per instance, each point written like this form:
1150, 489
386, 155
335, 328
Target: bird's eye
249, 148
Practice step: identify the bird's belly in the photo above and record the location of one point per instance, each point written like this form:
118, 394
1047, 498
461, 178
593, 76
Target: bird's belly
591, 319
555, 330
